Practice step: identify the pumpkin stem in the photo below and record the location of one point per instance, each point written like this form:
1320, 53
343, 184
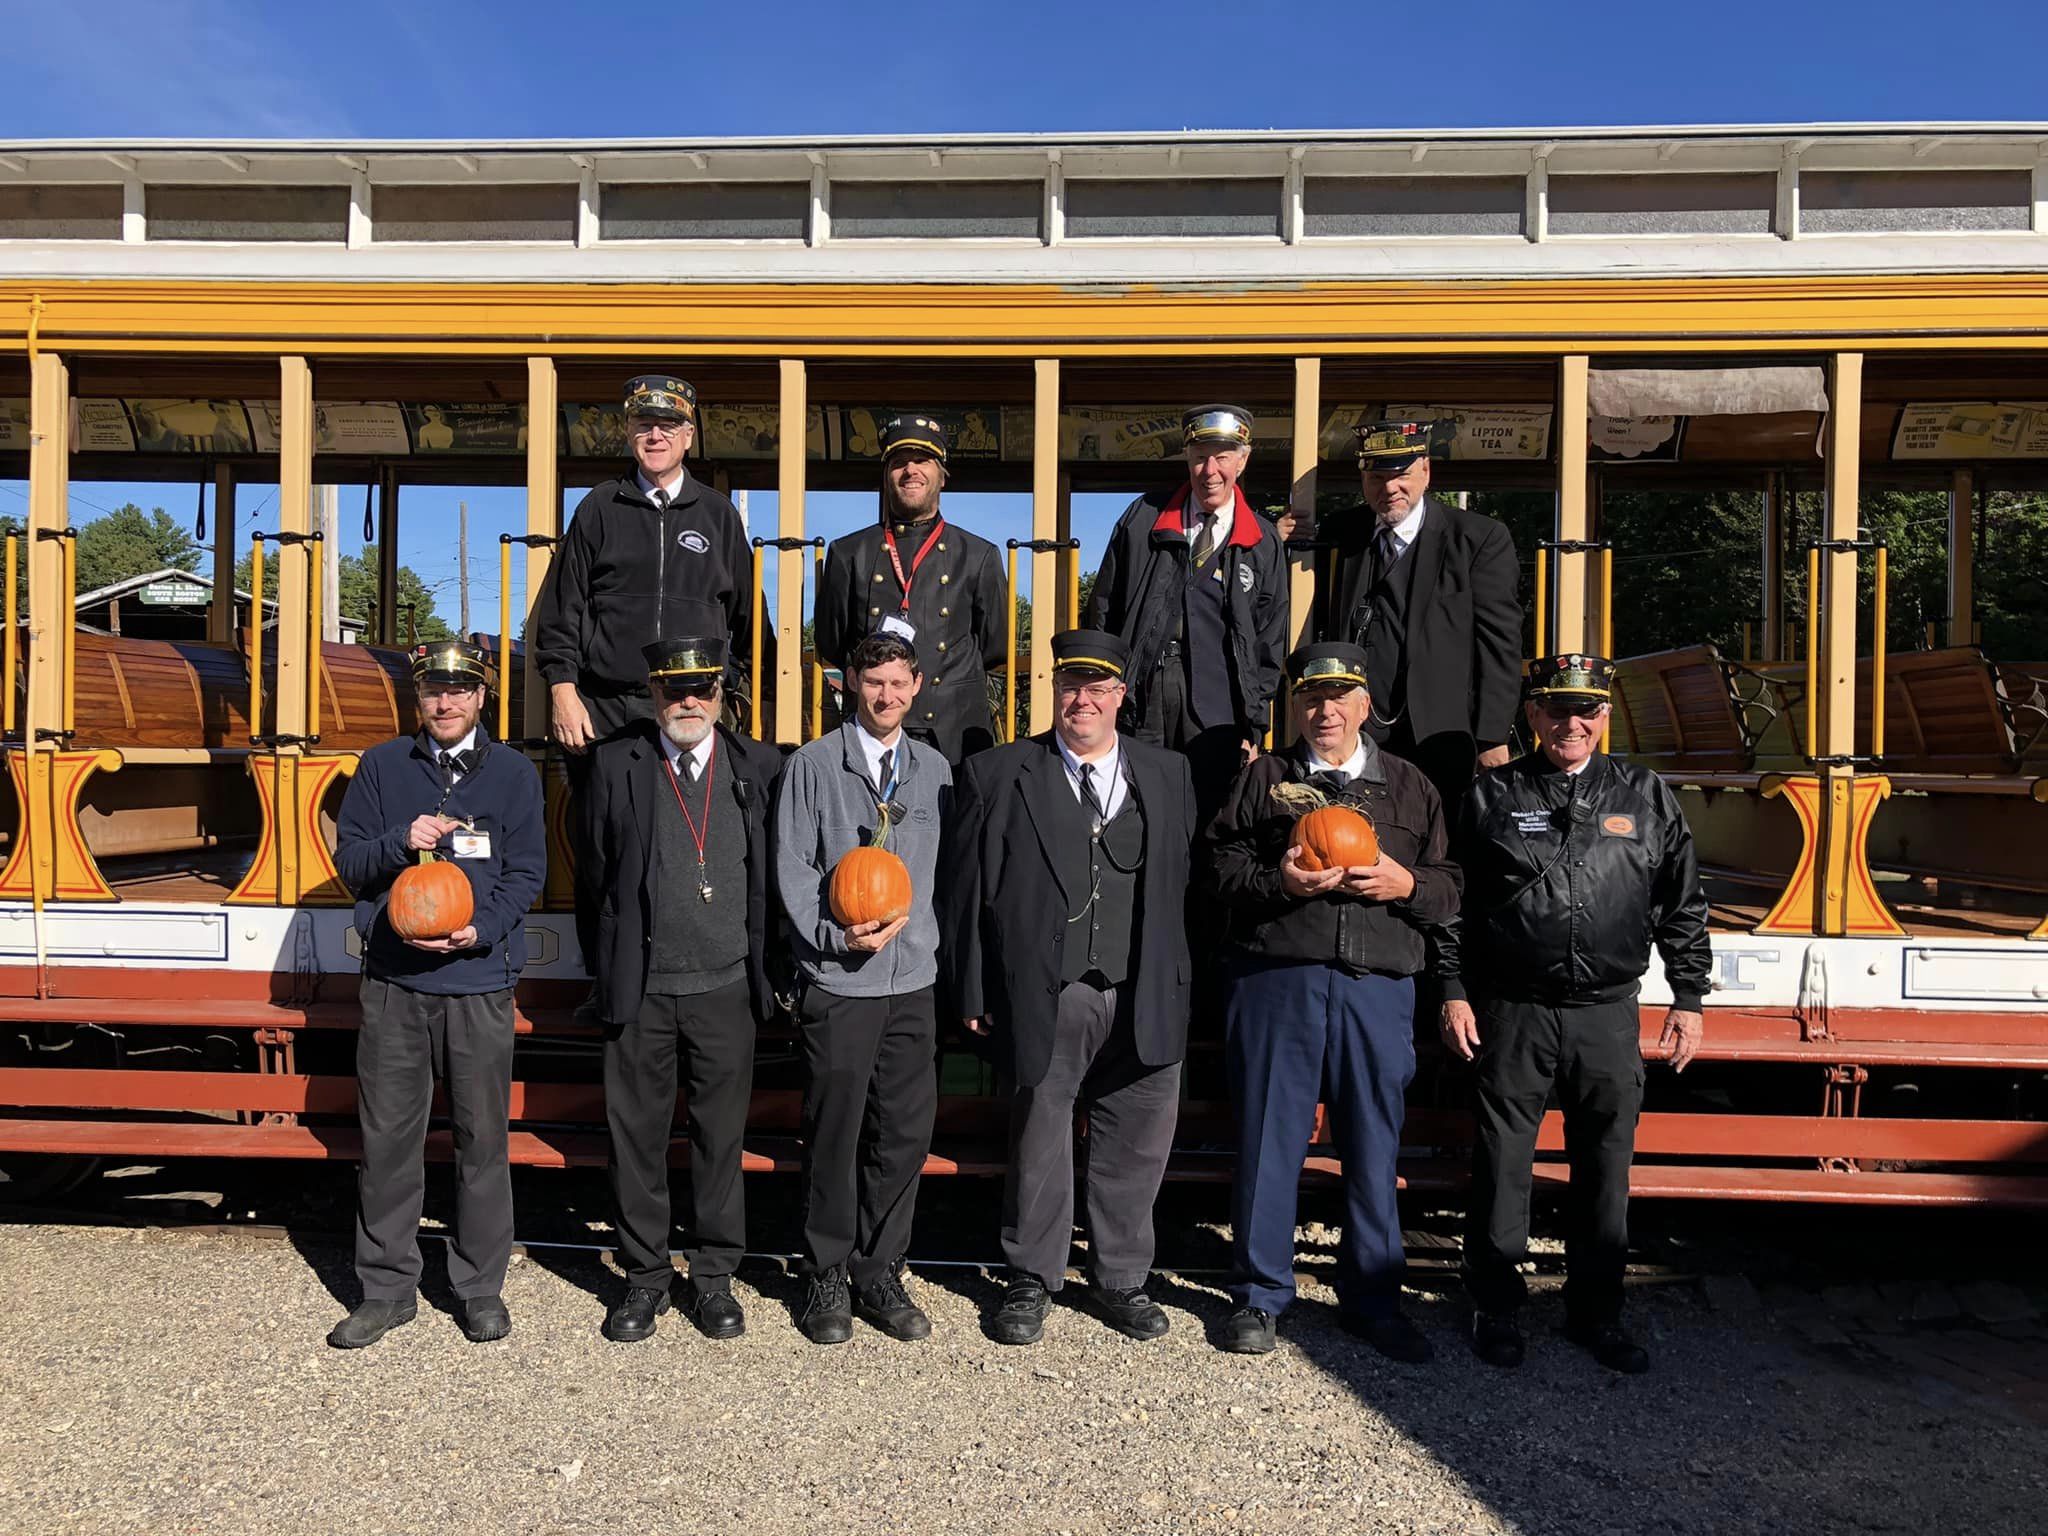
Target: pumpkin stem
881, 826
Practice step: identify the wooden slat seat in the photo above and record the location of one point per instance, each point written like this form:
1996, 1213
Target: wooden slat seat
1689, 709
159, 693
1945, 713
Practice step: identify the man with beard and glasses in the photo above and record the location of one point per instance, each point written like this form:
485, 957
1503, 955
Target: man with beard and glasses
1320, 999
1428, 589
655, 552
680, 812
1575, 864
869, 1019
438, 1007
926, 581
1195, 583
1068, 855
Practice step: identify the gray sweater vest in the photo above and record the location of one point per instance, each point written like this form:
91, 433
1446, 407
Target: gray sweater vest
698, 945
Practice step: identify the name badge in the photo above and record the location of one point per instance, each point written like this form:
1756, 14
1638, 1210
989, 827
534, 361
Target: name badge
897, 625
1527, 822
470, 845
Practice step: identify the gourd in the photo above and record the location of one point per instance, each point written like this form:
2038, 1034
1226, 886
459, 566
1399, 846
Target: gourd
870, 884
430, 900
1335, 837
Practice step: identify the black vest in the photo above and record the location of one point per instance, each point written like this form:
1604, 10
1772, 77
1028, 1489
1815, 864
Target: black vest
1380, 624
698, 945
1101, 877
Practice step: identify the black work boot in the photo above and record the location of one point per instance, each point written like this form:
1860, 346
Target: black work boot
1021, 1318
827, 1316
633, 1318
1248, 1331
888, 1306
717, 1314
371, 1320
485, 1318
1393, 1336
1610, 1345
1130, 1312
1496, 1339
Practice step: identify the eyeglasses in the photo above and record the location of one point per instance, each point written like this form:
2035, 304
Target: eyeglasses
647, 426
1095, 693
1565, 709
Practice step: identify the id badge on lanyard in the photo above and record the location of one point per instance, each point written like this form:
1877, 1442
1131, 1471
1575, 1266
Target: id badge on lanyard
902, 624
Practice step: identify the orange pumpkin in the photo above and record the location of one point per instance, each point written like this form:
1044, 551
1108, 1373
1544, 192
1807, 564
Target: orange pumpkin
431, 900
869, 885
1335, 837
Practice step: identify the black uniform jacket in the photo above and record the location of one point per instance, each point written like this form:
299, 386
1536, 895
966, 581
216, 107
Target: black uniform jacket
958, 605
1464, 633
1241, 850
1138, 589
1005, 909
1569, 879
628, 785
627, 575
504, 852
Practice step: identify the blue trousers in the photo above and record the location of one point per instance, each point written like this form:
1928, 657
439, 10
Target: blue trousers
1296, 1034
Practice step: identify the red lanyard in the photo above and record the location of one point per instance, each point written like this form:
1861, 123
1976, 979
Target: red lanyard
697, 834
895, 559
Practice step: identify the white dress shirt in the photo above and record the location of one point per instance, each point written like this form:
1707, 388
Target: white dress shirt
467, 744
1403, 533
1110, 788
872, 749
669, 489
1351, 767
700, 754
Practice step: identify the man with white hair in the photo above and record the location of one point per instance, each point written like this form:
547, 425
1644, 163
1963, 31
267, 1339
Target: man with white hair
679, 817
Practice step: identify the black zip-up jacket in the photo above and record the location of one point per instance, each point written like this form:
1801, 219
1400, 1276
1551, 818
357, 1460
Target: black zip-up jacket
627, 575
1138, 590
1569, 879
1240, 856
501, 797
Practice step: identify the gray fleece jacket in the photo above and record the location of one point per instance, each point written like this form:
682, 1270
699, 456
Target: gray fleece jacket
824, 806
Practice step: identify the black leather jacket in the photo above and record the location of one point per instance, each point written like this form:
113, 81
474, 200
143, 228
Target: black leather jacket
1240, 856
1569, 879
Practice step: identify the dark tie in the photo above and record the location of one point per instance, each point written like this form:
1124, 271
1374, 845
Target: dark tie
885, 776
1088, 796
660, 499
1331, 781
1205, 543
447, 769
692, 770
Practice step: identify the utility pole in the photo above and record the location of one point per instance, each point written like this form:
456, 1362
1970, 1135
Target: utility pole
462, 560
327, 500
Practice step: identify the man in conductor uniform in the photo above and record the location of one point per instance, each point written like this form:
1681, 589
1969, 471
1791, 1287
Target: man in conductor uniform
438, 1007
653, 553
680, 810
1066, 941
1575, 864
1194, 582
1429, 590
926, 581
1320, 998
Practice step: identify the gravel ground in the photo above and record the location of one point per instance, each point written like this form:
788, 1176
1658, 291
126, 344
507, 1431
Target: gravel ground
162, 1381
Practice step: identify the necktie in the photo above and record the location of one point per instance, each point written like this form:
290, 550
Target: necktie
1205, 543
660, 499
1387, 551
1088, 796
447, 768
692, 769
885, 776
1331, 781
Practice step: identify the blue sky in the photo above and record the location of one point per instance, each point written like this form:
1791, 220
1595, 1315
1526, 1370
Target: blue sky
396, 69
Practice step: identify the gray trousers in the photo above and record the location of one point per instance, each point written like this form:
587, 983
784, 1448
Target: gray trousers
1132, 1110
407, 1040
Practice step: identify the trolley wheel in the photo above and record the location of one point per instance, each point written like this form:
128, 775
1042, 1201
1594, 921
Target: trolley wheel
29, 1177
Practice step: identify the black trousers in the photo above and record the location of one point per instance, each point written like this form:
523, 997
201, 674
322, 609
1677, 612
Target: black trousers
707, 1043
609, 715
1446, 759
1132, 1110
1591, 1057
871, 1092
408, 1039
1214, 752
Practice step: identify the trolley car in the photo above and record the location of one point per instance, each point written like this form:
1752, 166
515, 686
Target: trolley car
1798, 315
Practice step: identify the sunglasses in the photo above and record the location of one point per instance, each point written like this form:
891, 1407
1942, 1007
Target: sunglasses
643, 426
687, 688
1562, 709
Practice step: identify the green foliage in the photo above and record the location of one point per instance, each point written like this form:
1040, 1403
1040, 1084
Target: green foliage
359, 593
131, 542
